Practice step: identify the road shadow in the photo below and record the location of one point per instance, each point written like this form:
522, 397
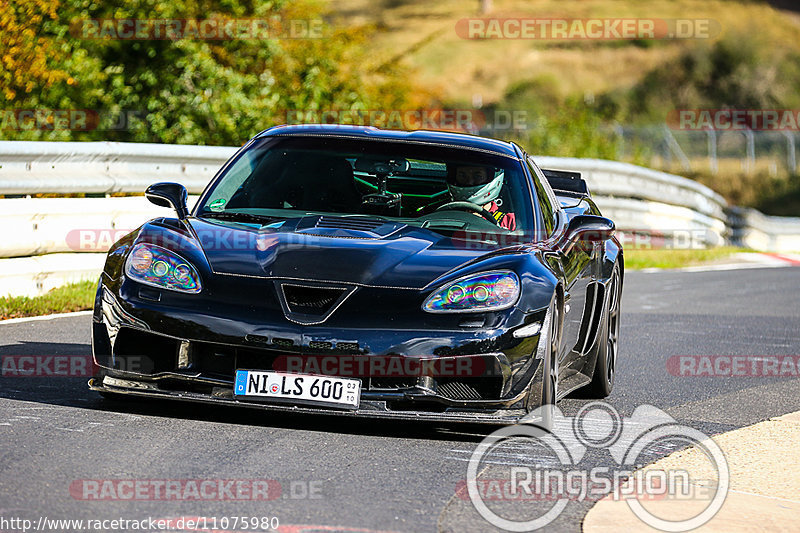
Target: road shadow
74, 392
45, 348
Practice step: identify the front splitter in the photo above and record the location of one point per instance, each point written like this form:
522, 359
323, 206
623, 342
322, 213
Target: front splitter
368, 410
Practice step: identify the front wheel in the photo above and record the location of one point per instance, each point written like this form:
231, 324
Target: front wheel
607, 341
543, 396
550, 377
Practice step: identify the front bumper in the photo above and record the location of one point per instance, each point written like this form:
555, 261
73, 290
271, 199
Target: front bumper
143, 349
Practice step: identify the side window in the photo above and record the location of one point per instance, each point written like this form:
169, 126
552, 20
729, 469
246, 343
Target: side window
545, 202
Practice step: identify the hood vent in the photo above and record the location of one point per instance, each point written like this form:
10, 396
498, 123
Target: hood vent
310, 304
347, 227
356, 224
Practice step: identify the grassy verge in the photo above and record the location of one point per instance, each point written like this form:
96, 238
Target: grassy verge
72, 297
639, 259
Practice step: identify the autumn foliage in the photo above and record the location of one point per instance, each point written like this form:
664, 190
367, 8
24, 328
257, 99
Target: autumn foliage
185, 90
26, 56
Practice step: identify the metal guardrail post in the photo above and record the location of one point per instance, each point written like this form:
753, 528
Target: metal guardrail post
791, 156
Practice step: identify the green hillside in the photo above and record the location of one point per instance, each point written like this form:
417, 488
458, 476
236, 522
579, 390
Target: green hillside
422, 34
610, 98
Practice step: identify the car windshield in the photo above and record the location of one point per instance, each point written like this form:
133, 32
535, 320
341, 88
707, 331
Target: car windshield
441, 188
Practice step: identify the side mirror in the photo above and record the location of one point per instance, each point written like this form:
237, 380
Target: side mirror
587, 228
168, 194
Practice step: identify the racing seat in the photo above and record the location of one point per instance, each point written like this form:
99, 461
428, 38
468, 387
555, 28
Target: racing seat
305, 181
324, 183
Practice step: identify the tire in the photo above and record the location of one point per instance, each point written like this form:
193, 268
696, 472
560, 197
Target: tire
607, 346
550, 384
552, 326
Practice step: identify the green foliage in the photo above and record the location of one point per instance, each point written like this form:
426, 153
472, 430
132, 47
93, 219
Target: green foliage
559, 126
574, 128
738, 71
782, 198
199, 91
773, 194
23, 53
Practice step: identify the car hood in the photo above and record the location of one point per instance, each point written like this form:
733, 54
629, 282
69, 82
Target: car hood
388, 255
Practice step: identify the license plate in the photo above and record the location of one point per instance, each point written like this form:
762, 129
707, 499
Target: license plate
329, 391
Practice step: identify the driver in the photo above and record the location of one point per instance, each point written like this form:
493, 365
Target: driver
479, 185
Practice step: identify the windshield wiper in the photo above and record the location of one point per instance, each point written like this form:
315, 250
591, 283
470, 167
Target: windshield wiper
240, 217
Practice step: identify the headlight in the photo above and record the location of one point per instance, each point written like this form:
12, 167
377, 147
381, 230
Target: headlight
153, 265
490, 291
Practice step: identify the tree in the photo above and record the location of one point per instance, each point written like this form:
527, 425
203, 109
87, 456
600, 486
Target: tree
25, 56
192, 90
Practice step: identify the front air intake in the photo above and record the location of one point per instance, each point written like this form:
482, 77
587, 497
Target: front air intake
311, 304
482, 388
310, 300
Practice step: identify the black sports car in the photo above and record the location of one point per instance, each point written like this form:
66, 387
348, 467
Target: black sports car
356, 271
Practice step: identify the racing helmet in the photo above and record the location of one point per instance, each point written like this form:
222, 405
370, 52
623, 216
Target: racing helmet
477, 184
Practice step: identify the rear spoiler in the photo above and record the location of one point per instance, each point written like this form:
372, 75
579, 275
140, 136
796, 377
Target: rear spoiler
566, 183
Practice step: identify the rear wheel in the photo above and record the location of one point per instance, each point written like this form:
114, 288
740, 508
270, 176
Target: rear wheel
607, 341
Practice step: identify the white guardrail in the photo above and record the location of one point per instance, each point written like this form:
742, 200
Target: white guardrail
43, 245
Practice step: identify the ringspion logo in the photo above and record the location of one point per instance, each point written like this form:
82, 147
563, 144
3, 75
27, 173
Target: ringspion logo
560, 474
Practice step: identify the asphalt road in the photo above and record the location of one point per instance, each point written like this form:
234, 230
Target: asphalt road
372, 475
